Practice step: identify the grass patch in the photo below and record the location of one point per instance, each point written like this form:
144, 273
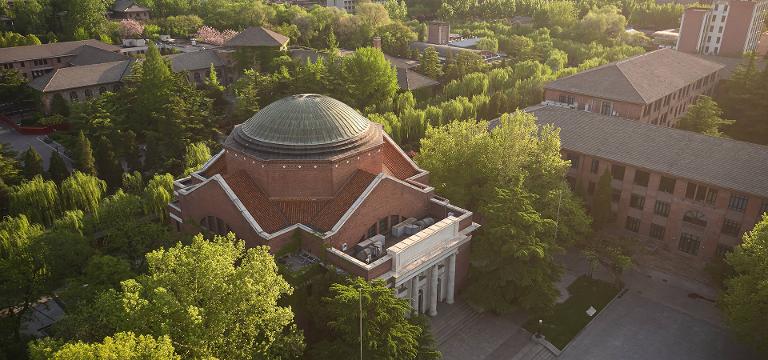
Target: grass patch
568, 318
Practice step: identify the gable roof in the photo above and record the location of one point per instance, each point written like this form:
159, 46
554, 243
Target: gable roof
127, 6
408, 79
725, 163
82, 76
89, 55
257, 36
641, 79
29, 52
195, 60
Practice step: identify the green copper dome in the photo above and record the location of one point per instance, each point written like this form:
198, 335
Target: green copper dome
305, 120
304, 126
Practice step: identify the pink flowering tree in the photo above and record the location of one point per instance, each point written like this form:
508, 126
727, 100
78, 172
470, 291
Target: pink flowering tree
212, 36
130, 28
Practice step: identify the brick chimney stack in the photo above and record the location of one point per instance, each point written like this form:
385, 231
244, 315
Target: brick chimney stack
377, 42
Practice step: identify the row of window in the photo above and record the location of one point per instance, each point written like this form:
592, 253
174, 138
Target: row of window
730, 227
73, 96
38, 62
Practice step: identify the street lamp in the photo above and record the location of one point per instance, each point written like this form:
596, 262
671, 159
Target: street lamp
360, 289
540, 328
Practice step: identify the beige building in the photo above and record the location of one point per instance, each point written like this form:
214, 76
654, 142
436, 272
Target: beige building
34, 61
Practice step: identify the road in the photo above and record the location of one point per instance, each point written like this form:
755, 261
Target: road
19, 143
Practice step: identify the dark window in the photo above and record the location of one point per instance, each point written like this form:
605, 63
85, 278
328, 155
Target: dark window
637, 201
700, 192
617, 172
567, 99
115, 87
616, 195
574, 159
641, 178
738, 203
102, 90
73, 96
372, 231
595, 166
657, 232
384, 226
606, 108
695, 217
763, 208
394, 219
632, 224
661, 208
731, 227
689, 243
591, 188
722, 250
58, 60
88, 93
196, 76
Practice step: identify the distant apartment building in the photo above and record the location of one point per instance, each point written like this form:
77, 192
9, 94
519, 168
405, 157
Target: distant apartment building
654, 88
692, 194
728, 28
128, 9
33, 61
347, 5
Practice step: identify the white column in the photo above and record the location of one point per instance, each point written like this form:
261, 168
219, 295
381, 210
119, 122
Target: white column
415, 293
433, 291
451, 278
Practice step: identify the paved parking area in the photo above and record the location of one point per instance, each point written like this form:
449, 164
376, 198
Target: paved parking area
635, 327
19, 143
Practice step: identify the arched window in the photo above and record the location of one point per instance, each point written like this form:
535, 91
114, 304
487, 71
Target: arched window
73, 95
215, 225
695, 217
88, 93
102, 90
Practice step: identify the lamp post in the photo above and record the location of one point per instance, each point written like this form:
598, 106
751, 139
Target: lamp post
540, 328
360, 289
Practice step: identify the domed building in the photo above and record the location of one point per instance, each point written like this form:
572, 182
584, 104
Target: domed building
308, 172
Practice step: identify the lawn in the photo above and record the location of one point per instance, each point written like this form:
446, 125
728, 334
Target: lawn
569, 317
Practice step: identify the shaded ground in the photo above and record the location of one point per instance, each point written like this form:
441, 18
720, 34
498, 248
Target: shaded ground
21, 143
636, 327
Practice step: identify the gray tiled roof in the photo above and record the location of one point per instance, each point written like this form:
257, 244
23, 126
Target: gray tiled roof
82, 76
123, 5
444, 51
408, 79
28, 52
89, 55
195, 60
641, 79
257, 36
731, 63
724, 163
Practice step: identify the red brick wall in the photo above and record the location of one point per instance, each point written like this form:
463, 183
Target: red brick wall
388, 198
626, 110
736, 31
690, 30
462, 265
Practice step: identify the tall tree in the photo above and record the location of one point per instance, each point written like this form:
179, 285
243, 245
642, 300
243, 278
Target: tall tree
23, 278
85, 160
704, 117
387, 332
109, 167
33, 163
157, 195
57, 169
429, 63
235, 292
369, 77
197, 155
745, 301
86, 17
9, 166
601, 202
123, 345
38, 199
82, 192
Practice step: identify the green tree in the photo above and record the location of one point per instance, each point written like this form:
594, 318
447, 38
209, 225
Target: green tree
38, 199
85, 160
704, 117
490, 44
387, 332
23, 277
197, 155
123, 345
602, 214
745, 300
429, 63
108, 166
157, 195
33, 163
9, 166
133, 183
57, 169
86, 15
31, 16
370, 79
395, 38
235, 292
59, 105
82, 192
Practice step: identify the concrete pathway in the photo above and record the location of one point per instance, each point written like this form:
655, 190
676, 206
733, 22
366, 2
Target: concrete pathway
20, 143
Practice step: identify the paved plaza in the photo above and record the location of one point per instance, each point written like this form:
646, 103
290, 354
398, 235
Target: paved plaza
19, 143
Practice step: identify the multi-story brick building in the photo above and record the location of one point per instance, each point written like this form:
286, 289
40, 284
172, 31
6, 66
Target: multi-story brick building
311, 173
81, 83
728, 28
654, 88
33, 61
694, 194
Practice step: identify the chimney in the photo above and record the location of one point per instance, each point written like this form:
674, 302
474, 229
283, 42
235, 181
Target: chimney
377, 42
438, 32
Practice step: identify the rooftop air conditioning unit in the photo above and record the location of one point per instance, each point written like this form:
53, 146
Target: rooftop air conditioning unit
344, 247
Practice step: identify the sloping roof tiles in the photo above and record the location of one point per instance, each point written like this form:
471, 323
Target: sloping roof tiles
82, 76
89, 55
28, 52
195, 60
641, 79
724, 163
257, 36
